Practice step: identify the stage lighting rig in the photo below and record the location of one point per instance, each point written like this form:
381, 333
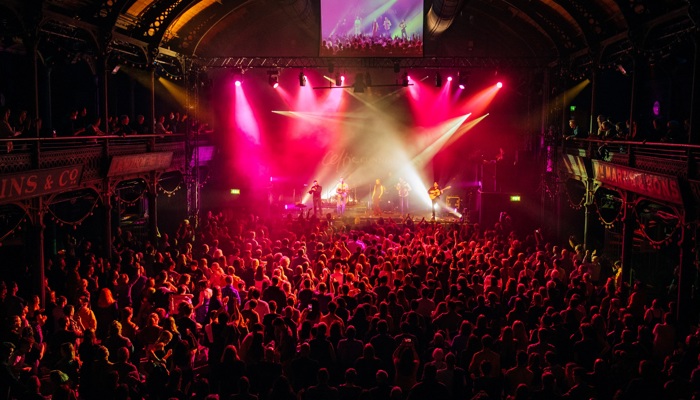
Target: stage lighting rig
463, 79
237, 76
404, 79
273, 78
339, 79
302, 79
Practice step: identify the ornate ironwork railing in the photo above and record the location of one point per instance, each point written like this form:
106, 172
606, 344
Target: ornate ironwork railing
93, 152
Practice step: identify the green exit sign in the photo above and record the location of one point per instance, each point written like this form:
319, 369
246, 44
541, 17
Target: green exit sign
572, 108
235, 191
514, 198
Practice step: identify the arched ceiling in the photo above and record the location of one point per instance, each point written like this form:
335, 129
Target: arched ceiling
552, 30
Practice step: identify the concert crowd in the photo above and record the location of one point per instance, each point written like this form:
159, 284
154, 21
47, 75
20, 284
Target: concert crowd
366, 45
299, 308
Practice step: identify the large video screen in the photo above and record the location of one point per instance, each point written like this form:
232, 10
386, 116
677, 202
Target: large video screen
371, 28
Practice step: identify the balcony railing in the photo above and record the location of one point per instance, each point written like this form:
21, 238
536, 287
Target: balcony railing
93, 152
662, 158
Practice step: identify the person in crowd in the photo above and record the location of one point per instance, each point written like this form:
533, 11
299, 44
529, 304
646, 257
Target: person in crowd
74, 126
123, 128
140, 126
160, 127
574, 130
93, 127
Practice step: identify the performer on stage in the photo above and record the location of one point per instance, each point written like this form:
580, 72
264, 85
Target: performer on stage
315, 192
435, 192
402, 26
387, 26
403, 188
377, 193
341, 193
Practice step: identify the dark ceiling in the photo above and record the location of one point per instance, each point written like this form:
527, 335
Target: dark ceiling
136, 31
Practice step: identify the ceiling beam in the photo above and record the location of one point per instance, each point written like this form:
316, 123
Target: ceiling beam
374, 62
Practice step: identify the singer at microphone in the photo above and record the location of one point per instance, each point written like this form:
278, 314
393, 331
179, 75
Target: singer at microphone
315, 192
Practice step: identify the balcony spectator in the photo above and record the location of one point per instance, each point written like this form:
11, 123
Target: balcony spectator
72, 127
140, 126
93, 128
657, 130
574, 130
23, 124
599, 121
171, 121
82, 118
621, 131
674, 133
607, 131
123, 128
161, 128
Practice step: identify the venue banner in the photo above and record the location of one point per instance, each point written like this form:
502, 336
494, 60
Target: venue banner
39, 182
660, 187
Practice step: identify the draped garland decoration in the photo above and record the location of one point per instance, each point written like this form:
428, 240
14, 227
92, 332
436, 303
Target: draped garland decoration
575, 205
665, 216
204, 175
170, 184
133, 192
65, 209
601, 204
11, 218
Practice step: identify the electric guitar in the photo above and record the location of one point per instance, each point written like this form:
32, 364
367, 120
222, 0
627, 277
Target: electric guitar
435, 193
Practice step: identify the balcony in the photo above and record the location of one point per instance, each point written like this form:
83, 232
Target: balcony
93, 153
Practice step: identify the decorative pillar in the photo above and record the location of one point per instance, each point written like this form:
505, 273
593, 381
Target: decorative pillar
33, 16
588, 204
629, 224
103, 73
153, 209
694, 138
38, 238
686, 306
34, 72
594, 91
107, 201
633, 94
152, 55
152, 103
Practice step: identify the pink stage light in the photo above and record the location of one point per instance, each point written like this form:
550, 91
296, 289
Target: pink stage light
499, 85
342, 78
461, 86
237, 83
449, 79
245, 119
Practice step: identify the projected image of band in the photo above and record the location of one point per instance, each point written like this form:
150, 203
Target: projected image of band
371, 28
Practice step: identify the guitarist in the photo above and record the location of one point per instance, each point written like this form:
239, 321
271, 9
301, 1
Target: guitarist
435, 192
341, 193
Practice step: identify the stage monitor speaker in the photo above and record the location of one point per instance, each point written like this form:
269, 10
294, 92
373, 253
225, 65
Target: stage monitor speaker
454, 202
491, 204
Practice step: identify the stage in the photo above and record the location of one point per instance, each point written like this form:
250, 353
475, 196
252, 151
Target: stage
357, 214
